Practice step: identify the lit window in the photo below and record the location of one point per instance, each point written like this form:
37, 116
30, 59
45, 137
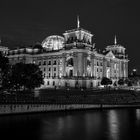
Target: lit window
39, 63
54, 62
54, 74
48, 83
53, 83
49, 62
44, 63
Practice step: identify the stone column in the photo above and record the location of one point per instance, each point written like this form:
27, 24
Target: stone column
75, 66
57, 65
112, 69
92, 64
117, 70
123, 69
104, 67
64, 64
120, 69
127, 69
84, 65
80, 64
51, 67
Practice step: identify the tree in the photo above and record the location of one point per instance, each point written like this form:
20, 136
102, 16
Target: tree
121, 82
4, 70
33, 76
17, 76
129, 82
26, 76
4, 62
106, 81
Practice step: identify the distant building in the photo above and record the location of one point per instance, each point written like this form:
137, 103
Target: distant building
134, 77
73, 61
4, 50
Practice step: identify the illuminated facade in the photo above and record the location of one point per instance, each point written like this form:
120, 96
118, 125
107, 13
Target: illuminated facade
72, 60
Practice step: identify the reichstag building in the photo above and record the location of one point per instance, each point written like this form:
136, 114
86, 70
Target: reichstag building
72, 60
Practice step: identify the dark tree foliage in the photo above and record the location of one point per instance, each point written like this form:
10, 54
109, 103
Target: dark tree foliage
121, 82
106, 81
37, 46
4, 62
26, 76
4, 70
129, 82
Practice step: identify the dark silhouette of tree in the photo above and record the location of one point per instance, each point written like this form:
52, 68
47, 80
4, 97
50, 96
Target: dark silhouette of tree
4, 71
106, 81
26, 76
128, 82
4, 62
121, 82
37, 46
33, 76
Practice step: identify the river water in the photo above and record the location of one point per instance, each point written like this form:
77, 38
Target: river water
119, 124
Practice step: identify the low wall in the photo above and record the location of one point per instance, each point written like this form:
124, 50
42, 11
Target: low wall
30, 108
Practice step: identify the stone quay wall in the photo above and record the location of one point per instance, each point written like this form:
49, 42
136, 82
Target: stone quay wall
34, 108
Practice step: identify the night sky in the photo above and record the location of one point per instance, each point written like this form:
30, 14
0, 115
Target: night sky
25, 22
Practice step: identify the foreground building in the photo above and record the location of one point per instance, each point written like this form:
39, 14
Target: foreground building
73, 61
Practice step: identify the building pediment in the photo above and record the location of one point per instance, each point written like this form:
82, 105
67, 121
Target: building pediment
110, 54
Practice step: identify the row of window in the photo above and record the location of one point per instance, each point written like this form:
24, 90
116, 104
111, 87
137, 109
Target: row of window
99, 70
99, 63
53, 83
49, 75
54, 69
70, 62
47, 63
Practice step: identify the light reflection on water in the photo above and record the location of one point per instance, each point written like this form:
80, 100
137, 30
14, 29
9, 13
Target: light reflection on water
112, 124
138, 114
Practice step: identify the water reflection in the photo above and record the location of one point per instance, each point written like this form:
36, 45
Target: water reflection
138, 114
59, 127
114, 125
93, 125
81, 125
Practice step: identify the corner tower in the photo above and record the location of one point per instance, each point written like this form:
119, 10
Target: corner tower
119, 53
78, 38
117, 49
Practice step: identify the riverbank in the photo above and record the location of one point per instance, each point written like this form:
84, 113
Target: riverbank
62, 100
38, 108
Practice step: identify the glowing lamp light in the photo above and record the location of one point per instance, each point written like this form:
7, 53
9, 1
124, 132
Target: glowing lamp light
134, 70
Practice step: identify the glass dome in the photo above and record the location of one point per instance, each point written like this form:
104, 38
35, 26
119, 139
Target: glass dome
53, 42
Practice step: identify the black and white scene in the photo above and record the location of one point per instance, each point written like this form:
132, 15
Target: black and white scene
69, 69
